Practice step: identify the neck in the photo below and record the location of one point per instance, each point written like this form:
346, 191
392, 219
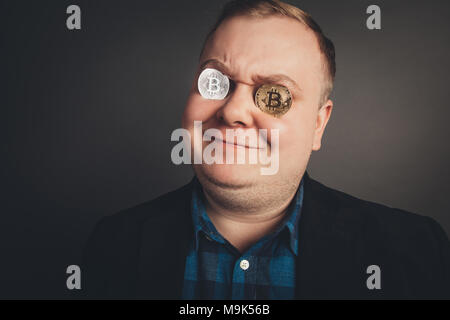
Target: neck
243, 223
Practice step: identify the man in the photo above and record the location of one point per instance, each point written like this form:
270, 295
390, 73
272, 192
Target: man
234, 233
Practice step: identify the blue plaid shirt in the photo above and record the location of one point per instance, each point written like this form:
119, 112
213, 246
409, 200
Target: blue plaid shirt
215, 269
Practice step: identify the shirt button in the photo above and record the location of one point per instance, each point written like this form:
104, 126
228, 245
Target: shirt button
244, 264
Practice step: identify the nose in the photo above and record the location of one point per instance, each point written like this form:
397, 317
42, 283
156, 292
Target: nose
237, 110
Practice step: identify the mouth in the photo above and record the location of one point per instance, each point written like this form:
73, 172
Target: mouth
258, 143
234, 144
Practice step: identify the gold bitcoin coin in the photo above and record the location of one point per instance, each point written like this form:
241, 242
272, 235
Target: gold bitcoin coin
273, 99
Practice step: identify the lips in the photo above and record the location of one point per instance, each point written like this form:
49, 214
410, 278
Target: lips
252, 145
235, 144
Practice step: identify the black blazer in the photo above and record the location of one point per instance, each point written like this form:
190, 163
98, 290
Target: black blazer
140, 252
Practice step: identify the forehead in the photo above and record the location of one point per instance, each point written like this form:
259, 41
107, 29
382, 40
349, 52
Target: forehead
251, 46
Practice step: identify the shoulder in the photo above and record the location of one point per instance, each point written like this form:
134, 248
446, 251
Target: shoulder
377, 215
121, 233
113, 248
378, 227
412, 250
159, 210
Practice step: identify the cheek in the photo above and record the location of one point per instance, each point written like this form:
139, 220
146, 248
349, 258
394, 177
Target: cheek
297, 132
295, 128
198, 109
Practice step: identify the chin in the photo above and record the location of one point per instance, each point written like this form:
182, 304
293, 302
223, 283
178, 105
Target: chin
228, 175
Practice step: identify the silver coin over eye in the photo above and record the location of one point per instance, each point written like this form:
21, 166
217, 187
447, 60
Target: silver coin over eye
213, 84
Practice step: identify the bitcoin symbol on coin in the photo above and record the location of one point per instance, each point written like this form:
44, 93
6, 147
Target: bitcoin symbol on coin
273, 99
213, 84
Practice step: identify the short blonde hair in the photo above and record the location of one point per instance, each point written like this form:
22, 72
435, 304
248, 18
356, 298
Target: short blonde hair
264, 8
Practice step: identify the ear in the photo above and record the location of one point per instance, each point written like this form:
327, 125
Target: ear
321, 122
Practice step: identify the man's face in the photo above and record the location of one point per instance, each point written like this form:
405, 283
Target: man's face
252, 52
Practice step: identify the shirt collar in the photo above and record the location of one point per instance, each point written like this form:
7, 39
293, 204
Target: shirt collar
202, 222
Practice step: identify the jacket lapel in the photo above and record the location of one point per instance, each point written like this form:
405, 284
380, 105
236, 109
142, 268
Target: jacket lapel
326, 263
164, 247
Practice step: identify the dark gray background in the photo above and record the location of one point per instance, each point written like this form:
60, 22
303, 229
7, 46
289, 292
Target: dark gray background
87, 117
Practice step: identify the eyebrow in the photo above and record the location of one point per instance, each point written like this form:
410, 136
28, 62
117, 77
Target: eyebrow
214, 63
258, 79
